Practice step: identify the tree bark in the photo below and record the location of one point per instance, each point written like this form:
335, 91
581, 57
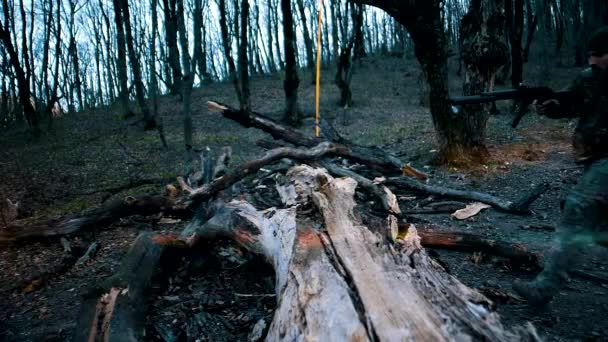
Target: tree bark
243, 63
483, 51
227, 42
172, 51
290, 85
358, 25
121, 61
340, 284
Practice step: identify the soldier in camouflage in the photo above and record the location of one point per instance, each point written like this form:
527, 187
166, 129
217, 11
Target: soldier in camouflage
587, 204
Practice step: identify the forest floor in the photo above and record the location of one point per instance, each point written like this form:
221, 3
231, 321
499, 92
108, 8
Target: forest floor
222, 292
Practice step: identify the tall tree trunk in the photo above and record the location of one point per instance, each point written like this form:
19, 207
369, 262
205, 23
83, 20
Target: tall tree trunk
516, 29
109, 75
188, 70
226, 42
334, 28
31, 52
275, 13
532, 24
272, 67
152, 71
359, 47
73, 54
149, 118
308, 44
52, 98
291, 83
121, 62
48, 16
558, 17
171, 40
243, 64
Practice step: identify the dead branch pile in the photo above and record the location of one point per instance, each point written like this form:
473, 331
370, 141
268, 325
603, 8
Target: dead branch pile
343, 271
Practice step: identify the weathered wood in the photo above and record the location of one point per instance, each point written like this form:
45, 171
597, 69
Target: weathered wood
252, 166
115, 310
403, 295
341, 282
382, 193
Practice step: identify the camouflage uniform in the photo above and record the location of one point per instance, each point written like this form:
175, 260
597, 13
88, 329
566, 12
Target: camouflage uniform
587, 204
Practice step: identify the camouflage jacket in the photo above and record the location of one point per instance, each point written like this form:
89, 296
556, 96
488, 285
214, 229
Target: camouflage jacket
587, 99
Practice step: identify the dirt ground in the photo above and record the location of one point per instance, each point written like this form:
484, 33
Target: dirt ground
219, 293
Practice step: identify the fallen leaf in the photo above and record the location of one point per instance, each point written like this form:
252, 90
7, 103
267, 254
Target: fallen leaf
470, 210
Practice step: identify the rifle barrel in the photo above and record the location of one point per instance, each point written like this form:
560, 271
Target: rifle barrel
477, 99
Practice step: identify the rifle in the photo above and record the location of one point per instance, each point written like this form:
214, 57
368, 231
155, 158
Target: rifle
525, 95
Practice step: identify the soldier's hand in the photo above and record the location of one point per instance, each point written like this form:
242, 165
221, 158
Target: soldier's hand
547, 107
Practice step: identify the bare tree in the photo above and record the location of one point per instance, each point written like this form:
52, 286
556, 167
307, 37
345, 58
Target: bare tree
291, 83
243, 64
121, 62
240, 81
22, 84
149, 119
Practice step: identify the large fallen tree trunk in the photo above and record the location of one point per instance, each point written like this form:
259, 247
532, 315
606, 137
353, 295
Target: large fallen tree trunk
342, 282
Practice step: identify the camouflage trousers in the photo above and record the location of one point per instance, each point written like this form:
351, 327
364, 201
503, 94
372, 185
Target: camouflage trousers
585, 208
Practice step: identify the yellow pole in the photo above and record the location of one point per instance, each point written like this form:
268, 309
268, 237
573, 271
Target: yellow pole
318, 88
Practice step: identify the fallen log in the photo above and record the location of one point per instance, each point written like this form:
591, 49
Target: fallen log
343, 283
408, 183
516, 207
115, 310
89, 219
373, 157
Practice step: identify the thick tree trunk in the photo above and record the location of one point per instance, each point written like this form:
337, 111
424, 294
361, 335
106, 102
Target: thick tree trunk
483, 52
291, 83
425, 24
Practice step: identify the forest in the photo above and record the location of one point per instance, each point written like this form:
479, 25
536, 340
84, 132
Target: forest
247, 170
